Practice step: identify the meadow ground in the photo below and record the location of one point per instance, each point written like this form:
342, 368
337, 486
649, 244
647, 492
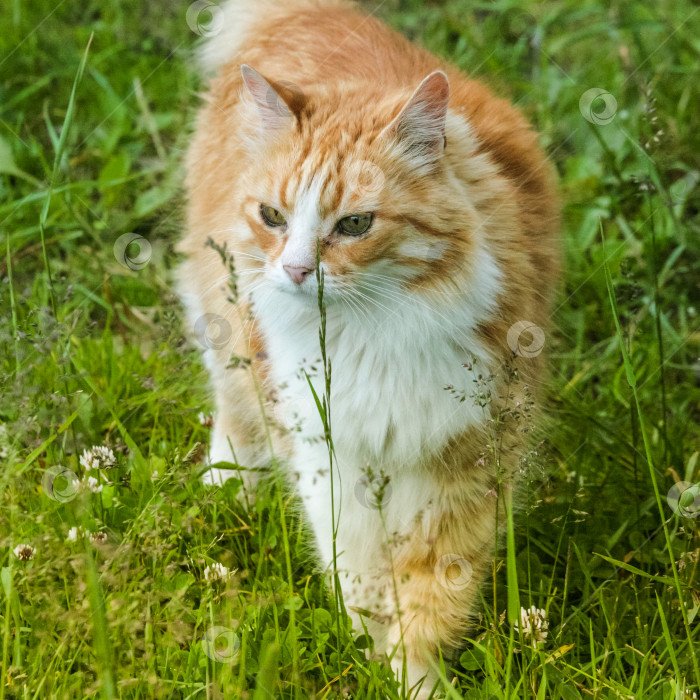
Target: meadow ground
96, 98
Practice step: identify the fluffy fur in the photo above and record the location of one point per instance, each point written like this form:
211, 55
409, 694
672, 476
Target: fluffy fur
334, 114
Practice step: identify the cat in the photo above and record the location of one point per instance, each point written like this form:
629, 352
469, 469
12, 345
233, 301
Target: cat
326, 137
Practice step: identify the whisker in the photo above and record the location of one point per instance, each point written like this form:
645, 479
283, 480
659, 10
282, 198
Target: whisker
406, 299
375, 302
347, 299
245, 255
394, 280
403, 300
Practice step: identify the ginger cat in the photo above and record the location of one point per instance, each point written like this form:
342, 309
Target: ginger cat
325, 136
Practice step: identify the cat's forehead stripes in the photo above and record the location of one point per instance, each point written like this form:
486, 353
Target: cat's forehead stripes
332, 176
290, 172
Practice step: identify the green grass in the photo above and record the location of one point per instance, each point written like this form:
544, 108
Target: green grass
96, 99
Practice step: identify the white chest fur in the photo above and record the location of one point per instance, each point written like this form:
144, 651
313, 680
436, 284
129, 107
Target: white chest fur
389, 406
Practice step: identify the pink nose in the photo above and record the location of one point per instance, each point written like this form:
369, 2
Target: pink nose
297, 274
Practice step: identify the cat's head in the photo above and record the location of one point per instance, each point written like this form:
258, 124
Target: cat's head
363, 189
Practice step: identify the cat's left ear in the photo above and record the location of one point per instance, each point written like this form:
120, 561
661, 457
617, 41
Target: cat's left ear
277, 104
420, 126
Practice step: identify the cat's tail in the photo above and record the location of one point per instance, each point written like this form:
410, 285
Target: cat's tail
231, 22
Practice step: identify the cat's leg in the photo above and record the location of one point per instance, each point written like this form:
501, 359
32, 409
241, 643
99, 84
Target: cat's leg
409, 570
438, 572
238, 435
243, 434
413, 570
246, 432
368, 534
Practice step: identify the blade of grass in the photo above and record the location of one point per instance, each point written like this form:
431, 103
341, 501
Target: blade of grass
13, 306
8, 588
513, 593
60, 148
667, 637
100, 628
634, 570
266, 685
324, 408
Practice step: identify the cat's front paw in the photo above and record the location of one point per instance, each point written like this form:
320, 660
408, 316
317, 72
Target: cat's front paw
419, 678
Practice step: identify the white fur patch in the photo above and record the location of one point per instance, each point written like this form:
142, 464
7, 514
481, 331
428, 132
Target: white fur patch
389, 405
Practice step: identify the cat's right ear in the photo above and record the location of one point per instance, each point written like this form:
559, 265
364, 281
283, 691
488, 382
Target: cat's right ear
420, 125
274, 105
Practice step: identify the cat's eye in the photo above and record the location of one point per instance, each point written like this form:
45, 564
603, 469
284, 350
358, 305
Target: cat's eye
272, 216
356, 224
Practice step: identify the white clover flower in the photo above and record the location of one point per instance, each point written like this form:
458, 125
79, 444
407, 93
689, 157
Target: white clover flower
206, 419
24, 552
76, 533
216, 572
98, 457
98, 537
92, 484
533, 625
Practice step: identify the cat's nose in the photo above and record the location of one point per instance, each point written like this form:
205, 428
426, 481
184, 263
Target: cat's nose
297, 274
